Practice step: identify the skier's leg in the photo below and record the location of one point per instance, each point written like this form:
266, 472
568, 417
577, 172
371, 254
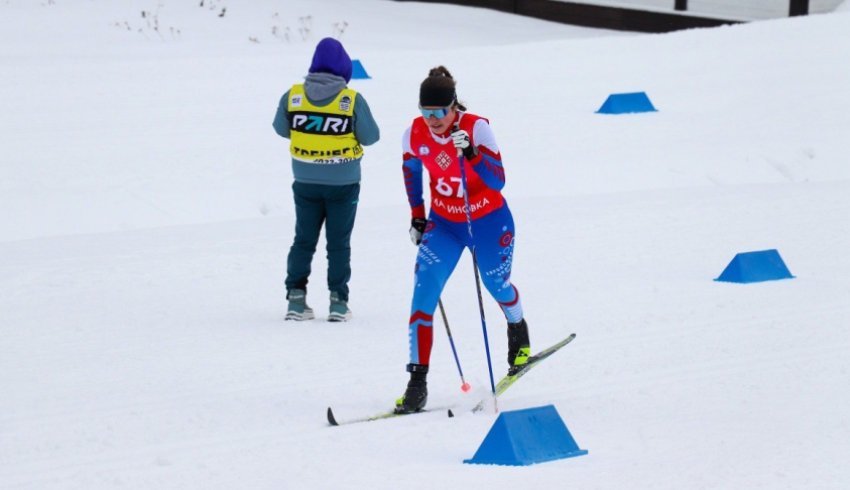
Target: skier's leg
494, 248
438, 255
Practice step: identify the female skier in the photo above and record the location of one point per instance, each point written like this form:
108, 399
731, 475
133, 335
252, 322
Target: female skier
444, 136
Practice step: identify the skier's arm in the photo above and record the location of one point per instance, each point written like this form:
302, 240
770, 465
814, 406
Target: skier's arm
488, 162
412, 168
281, 118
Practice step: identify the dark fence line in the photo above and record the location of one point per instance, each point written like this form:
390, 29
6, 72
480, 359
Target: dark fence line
795, 7
798, 7
599, 16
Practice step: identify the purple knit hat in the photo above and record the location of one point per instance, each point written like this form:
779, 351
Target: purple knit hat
330, 57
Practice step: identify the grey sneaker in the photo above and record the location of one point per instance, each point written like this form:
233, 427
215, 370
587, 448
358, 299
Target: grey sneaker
338, 311
298, 309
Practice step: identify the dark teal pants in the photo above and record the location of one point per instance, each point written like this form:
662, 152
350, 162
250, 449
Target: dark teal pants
335, 207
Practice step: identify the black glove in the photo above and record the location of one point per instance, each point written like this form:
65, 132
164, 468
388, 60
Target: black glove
417, 228
461, 140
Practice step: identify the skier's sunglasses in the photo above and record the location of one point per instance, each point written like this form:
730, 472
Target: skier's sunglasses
438, 113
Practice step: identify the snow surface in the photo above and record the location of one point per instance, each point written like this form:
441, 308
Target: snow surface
145, 217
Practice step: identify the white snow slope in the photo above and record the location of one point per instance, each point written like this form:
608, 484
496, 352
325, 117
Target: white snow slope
145, 217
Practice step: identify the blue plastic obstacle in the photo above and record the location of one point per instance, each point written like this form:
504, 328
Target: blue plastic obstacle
357, 70
524, 437
764, 265
626, 103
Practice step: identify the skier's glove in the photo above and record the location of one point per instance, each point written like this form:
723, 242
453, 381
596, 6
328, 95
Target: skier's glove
417, 228
461, 140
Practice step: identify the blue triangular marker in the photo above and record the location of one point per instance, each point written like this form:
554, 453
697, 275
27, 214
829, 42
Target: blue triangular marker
626, 103
357, 70
747, 267
524, 437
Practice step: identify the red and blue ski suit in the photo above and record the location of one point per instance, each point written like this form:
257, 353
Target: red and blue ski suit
447, 234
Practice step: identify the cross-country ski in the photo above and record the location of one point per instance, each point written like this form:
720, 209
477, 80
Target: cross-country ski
501, 387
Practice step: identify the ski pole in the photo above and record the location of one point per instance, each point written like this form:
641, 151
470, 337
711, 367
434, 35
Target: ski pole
465, 386
475, 269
